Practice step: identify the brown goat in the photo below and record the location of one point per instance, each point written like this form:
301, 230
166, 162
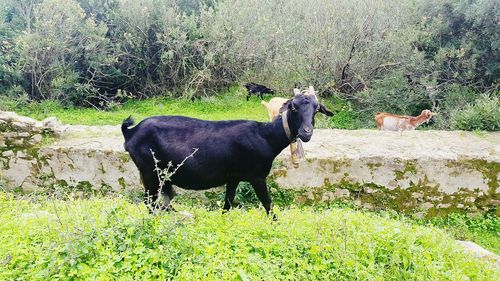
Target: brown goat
392, 122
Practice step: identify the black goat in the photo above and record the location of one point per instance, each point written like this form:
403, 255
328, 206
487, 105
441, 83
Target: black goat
257, 89
228, 151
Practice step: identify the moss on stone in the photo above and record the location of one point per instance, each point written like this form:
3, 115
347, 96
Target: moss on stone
101, 168
409, 168
406, 200
373, 166
124, 157
121, 182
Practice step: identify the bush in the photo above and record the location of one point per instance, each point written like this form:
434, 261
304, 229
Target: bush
483, 115
449, 99
393, 94
85, 52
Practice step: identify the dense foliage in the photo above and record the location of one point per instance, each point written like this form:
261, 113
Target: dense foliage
377, 55
483, 115
44, 238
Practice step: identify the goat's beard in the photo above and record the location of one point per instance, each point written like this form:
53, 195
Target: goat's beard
305, 138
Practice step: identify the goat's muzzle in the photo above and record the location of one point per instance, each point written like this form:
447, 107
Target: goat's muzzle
305, 134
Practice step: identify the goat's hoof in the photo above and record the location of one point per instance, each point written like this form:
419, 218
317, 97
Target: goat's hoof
169, 209
275, 218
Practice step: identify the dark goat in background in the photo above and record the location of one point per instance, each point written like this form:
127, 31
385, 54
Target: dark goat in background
228, 151
257, 89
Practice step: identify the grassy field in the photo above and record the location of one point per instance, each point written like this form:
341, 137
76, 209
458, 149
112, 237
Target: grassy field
112, 238
225, 106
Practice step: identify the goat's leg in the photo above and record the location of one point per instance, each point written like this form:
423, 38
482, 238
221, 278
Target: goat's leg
248, 95
167, 193
151, 188
230, 193
260, 188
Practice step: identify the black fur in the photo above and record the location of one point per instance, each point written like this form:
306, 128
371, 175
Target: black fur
228, 151
257, 89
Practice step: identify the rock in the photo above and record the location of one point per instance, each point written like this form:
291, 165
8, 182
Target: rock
419, 215
479, 252
427, 205
8, 153
36, 138
436, 198
341, 193
494, 202
19, 126
309, 195
369, 190
327, 196
52, 123
8, 116
19, 170
18, 142
28, 187
38, 127
443, 206
21, 154
417, 195
9, 135
23, 134
470, 200
460, 206
26, 120
367, 206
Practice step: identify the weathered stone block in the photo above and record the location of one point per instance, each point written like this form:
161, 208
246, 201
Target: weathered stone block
8, 153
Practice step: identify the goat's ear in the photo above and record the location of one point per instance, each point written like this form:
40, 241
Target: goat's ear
286, 106
296, 92
324, 110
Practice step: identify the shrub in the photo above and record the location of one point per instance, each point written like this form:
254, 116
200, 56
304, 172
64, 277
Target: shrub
393, 94
484, 115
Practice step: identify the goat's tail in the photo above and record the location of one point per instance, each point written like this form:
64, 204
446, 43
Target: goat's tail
125, 124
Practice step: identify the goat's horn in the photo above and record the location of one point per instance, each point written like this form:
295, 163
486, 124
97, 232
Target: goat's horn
312, 92
296, 92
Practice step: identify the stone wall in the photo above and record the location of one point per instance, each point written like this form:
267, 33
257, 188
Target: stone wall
423, 172
420, 172
40, 153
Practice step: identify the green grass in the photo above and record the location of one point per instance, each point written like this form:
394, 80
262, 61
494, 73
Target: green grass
229, 105
111, 238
